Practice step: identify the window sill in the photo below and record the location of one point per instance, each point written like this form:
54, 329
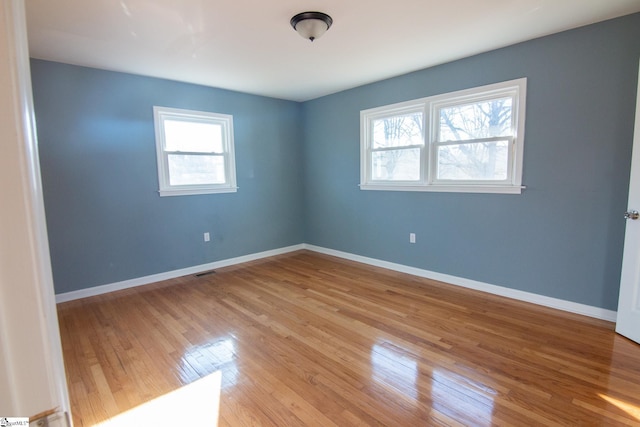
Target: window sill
192, 192
497, 189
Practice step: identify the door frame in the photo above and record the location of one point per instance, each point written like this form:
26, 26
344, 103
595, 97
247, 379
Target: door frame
32, 360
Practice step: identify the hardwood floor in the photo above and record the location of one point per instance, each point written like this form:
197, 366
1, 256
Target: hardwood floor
307, 339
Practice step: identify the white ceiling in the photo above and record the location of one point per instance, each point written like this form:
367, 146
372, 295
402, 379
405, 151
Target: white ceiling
249, 46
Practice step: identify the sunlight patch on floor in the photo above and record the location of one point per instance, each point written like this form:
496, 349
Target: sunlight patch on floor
219, 354
195, 404
629, 408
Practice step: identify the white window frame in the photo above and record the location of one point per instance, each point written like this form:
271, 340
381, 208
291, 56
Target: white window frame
404, 108
516, 89
160, 114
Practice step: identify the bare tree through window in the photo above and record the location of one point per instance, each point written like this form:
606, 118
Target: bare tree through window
397, 141
470, 140
481, 133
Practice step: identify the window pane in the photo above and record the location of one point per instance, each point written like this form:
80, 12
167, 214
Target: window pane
396, 165
398, 131
192, 137
194, 170
487, 161
484, 119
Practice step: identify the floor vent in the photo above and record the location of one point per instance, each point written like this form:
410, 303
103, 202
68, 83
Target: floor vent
205, 273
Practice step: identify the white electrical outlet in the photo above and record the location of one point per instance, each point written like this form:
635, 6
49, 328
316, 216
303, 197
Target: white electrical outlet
207, 237
412, 237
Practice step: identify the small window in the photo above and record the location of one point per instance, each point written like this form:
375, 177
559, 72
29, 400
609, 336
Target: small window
466, 141
195, 152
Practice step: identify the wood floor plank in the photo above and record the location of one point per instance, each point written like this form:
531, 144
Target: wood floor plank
309, 339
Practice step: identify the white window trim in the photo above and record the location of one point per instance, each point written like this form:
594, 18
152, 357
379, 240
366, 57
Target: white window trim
225, 120
513, 185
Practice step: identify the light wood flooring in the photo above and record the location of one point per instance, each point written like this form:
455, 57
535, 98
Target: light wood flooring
308, 339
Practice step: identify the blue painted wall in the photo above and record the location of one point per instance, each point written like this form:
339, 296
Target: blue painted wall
563, 236
105, 218
298, 173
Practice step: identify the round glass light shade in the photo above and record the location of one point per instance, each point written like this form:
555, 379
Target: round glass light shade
311, 25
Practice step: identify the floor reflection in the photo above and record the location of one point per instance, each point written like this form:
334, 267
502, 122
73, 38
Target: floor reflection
219, 354
621, 348
449, 394
473, 401
395, 367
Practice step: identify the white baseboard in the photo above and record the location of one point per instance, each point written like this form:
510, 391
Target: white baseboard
572, 307
103, 289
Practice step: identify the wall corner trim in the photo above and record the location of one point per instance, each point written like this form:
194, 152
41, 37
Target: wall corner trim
559, 304
140, 281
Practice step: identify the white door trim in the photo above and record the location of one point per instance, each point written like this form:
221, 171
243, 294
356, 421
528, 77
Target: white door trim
32, 360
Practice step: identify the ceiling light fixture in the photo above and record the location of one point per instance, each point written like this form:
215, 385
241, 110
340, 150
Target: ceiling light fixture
311, 25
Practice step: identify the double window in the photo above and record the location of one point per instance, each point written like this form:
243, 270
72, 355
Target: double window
466, 141
195, 152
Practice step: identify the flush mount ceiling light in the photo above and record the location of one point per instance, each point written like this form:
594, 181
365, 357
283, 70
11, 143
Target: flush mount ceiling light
311, 25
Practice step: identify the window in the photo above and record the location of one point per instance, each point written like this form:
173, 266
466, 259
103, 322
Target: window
195, 152
466, 141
